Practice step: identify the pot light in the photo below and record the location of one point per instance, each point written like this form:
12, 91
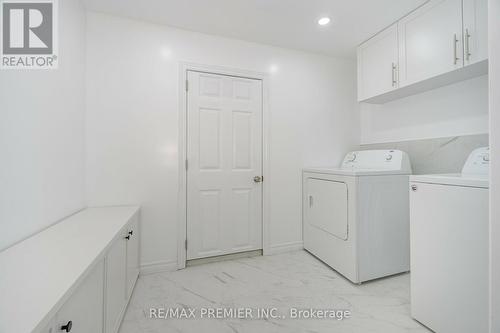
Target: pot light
324, 21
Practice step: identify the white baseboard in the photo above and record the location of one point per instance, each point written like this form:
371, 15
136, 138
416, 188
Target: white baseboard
158, 267
171, 266
284, 247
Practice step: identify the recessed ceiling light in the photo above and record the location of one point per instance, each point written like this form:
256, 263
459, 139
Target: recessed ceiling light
324, 21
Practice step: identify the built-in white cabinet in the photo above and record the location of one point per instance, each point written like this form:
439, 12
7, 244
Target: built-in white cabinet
378, 64
83, 312
90, 264
475, 31
431, 41
441, 42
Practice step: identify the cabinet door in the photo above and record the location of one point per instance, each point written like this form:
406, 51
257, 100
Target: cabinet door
431, 41
475, 31
132, 255
116, 266
84, 309
378, 63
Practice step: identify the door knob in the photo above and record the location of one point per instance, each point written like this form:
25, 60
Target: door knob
258, 179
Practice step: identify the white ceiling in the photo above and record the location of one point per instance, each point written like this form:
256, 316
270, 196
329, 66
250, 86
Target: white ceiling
285, 23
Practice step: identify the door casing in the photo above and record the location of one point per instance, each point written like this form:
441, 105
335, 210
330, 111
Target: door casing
184, 67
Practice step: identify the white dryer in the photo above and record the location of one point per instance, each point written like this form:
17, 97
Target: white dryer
449, 248
356, 218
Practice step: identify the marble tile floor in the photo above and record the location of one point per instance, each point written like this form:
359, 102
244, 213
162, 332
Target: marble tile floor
281, 282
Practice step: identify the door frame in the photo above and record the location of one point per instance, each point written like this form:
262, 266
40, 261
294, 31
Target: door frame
184, 67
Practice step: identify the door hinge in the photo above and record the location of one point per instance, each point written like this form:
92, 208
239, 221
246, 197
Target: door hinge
187, 85
186, 244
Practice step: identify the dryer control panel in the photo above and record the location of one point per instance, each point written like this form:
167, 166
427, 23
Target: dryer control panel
478, 162
377, 159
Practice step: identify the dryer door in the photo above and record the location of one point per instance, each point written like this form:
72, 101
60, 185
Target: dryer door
327, 206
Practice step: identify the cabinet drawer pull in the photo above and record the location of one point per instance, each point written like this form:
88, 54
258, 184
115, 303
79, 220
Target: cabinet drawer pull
67, 327
394, 77
455, 52
467, 45
131, 232
127, 237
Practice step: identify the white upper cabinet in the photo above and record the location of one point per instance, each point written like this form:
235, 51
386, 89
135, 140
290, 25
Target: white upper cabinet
378, 63
475, 31
441, 42
431, 41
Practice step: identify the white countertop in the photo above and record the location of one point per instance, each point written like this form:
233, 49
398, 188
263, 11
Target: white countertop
38, 274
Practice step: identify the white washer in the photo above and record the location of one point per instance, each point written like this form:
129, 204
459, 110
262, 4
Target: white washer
355, 218
449, 248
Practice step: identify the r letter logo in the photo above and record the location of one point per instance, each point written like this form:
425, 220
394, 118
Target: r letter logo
29, 34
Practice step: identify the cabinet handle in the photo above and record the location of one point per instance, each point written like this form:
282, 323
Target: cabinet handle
394, 79
467, 45
131, 232
310, 201
455, 53
127, 237
67, 327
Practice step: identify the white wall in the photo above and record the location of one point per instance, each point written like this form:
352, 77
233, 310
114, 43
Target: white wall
41, 136
494, 49
132, 121
458, 109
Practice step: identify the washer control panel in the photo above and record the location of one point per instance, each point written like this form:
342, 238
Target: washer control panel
478, 162
351, 157
396, 160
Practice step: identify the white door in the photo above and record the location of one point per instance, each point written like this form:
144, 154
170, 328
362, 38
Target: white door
224, 152
378, 64
430, 41
327, 206
475, 30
